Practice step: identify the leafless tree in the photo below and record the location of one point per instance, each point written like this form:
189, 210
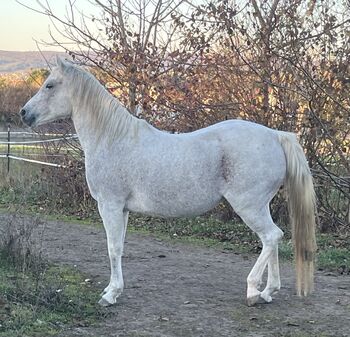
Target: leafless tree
188, 64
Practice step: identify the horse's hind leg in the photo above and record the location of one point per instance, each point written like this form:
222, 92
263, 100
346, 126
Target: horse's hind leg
269, 235
259, 220
273, 277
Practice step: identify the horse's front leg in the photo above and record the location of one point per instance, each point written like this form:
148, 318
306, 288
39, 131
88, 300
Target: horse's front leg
114, 221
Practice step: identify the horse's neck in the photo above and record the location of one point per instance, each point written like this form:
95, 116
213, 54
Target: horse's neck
86, 134
91, 138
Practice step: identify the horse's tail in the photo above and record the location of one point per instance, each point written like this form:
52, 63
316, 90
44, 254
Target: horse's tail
302, 209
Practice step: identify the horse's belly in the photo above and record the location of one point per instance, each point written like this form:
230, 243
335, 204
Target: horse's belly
172, 204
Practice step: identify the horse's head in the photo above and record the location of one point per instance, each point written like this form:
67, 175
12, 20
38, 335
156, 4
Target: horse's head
52, 101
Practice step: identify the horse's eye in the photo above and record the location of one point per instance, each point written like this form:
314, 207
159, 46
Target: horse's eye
49, 86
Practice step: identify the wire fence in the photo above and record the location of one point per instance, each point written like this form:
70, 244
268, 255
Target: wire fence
9, 155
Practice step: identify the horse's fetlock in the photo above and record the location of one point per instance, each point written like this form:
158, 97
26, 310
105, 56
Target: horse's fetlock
252, 282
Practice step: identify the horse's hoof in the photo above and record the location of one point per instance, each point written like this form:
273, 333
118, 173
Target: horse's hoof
104, 303
253, 300
266, 298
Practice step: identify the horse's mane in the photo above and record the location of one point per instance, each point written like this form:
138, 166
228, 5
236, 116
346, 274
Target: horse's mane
106, 114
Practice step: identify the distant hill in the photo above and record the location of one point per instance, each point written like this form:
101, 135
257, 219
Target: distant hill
17, 61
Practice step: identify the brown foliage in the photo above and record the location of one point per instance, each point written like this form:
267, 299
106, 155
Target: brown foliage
15, 90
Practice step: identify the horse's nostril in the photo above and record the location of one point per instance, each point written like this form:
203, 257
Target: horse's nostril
22, 112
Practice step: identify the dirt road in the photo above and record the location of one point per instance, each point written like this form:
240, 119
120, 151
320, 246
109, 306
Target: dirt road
174, 289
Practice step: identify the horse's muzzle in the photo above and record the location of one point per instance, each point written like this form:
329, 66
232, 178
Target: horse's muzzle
27, 118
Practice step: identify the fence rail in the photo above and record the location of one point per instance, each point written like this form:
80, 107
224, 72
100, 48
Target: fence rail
24, 134
33, 134
31, 161
38, 141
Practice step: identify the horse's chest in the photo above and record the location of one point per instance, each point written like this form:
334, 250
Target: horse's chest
104, 180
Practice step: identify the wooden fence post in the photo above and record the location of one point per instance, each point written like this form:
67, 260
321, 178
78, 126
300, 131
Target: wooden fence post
8, 147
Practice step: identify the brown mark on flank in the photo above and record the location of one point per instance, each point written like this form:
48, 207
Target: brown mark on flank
225, 167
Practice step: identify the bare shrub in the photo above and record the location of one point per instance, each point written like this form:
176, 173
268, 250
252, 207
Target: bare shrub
20, 242
66, 189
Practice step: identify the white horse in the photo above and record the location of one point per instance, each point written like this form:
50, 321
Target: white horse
132, 166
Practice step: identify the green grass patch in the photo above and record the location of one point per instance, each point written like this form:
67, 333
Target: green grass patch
45, 302
232, 235
334, 259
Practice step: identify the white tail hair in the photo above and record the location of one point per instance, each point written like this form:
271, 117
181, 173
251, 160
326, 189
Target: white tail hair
302, 209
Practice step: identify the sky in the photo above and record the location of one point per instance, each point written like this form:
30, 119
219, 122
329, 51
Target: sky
19, 26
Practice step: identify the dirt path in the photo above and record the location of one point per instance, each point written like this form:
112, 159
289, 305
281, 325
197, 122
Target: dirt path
173, 289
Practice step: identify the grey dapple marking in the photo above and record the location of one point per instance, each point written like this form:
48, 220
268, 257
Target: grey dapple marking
131, 166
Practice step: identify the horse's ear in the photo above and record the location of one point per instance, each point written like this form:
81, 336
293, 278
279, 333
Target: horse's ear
61, 63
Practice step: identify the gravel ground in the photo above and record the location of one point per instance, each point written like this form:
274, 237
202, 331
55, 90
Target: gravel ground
176, 289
